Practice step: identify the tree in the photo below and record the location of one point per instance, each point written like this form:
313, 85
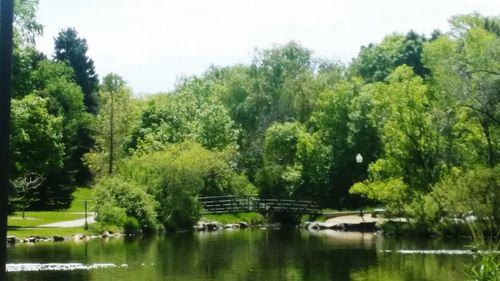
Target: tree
178, 174
72, 49
115, 121
341, 119
25, 24
53, 81
466, 72
37, 150
214, 127
36, 143
476, 192
295, 164
376, 61
24, 187
411, 143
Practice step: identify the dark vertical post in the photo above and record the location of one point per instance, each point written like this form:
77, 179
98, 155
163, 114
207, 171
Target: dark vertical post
86, 223
6, 18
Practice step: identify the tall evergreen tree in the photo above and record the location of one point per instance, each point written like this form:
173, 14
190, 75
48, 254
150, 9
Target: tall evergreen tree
72, 49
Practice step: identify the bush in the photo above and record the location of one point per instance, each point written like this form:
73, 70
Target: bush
124, 194
111, 215
474, 193
131, 226
486, 267
181, 173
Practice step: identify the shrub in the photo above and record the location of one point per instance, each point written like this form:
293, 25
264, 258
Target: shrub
474, 194
179, 174
136, 203
131, 225
111, 215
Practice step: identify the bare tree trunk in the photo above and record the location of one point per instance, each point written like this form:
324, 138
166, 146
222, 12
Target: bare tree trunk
111, 135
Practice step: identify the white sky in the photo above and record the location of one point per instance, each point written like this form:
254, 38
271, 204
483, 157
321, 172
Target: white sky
151, 43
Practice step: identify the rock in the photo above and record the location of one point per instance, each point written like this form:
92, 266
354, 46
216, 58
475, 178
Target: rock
11, 240
30, 240
200, 226
107, 234
57, 238
78, 237
231, 226
213, 226
243, 224
339, 227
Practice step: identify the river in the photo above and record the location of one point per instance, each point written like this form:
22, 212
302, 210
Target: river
242, 255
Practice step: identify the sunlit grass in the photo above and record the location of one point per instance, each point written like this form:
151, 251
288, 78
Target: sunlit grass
81, 195
38, 218
46, 232
34, 219
251, 218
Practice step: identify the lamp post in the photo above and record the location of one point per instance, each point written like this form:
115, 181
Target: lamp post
359, 158
86, 222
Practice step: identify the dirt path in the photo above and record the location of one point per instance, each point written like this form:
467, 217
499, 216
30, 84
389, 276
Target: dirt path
73, 223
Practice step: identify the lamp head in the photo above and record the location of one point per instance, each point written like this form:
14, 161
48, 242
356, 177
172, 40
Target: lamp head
359, 158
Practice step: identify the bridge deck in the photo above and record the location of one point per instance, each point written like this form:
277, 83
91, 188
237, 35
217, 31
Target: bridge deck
242, 204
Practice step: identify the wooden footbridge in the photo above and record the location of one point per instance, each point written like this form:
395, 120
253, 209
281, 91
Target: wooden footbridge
243, 204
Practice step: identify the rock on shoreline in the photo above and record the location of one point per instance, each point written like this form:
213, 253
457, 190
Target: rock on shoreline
12, 240
215, 225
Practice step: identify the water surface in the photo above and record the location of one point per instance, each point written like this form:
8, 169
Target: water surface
243, 255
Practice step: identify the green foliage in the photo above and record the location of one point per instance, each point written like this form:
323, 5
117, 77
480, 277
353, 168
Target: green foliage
26, 27
131, 225
117, 117
486, 267
475, 192
36, 144
417, 110
295, 163
376, 61
54, 82
71, 49
411, 141
343, 124
466, 74
181, 173
393, 193
119, 199
214, 128
108, 214
110, 217
171, 119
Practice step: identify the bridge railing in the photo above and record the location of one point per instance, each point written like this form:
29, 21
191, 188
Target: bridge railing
242, 204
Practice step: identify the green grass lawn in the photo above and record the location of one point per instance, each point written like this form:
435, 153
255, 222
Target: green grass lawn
251, 218
81, 195
20, 227
46, 232
34, 219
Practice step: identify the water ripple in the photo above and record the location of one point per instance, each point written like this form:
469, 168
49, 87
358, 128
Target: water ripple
438, 252
19, 267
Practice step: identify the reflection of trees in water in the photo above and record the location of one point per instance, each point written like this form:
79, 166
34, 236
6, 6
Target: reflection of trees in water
247, 255
279, 255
